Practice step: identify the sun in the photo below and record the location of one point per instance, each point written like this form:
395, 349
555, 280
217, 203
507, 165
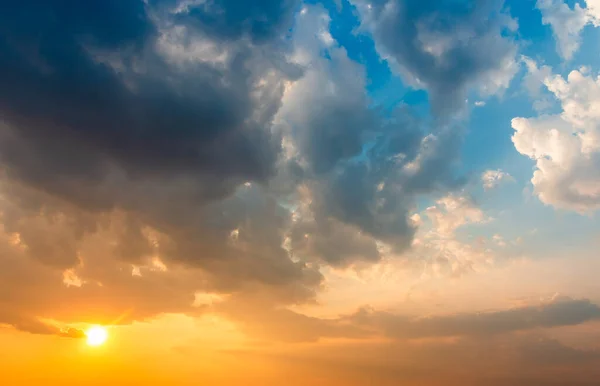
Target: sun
96, 336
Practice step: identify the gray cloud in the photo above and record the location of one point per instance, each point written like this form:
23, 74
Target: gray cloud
231, 20
100, 90
230, 247
196, 143
361, 170
369, 198
170, 110
445, 47
561, 312
475, 327
326, 113
125, 113
37, 327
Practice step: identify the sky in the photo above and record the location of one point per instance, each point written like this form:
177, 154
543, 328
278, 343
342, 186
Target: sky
308, 192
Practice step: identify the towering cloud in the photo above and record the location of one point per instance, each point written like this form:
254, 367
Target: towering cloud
136, 124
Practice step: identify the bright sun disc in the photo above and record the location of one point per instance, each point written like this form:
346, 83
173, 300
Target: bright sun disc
96, 336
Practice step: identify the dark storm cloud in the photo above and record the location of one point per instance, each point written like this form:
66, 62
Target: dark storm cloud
100, 109
230, 246
125, 111
84, 89
120, 142
447, 46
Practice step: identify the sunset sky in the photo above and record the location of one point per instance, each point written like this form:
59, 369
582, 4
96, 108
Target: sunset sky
288, 192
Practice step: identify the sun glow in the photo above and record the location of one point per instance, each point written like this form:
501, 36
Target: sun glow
96, 336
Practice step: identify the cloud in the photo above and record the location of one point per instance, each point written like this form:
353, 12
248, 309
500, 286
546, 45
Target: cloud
534, 81
131, 164
514, 361
367, 323
326, 113
323, 238
230, 20
139, 129
107, 294
174, 148
520, 346
499, 240
194, 157
565, 147
438, 250
263, 323
361, 172
132, 109
445, 48
37, 327
568, 22
560, 312
493, 178
452, 212
345, 217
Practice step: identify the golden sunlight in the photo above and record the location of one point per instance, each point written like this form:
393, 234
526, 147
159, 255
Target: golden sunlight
96, 336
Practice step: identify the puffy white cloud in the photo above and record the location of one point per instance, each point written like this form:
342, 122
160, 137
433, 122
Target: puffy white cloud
493, 178
567, 23
565, 146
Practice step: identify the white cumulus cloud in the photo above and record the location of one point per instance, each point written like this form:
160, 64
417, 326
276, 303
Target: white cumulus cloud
565, 146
